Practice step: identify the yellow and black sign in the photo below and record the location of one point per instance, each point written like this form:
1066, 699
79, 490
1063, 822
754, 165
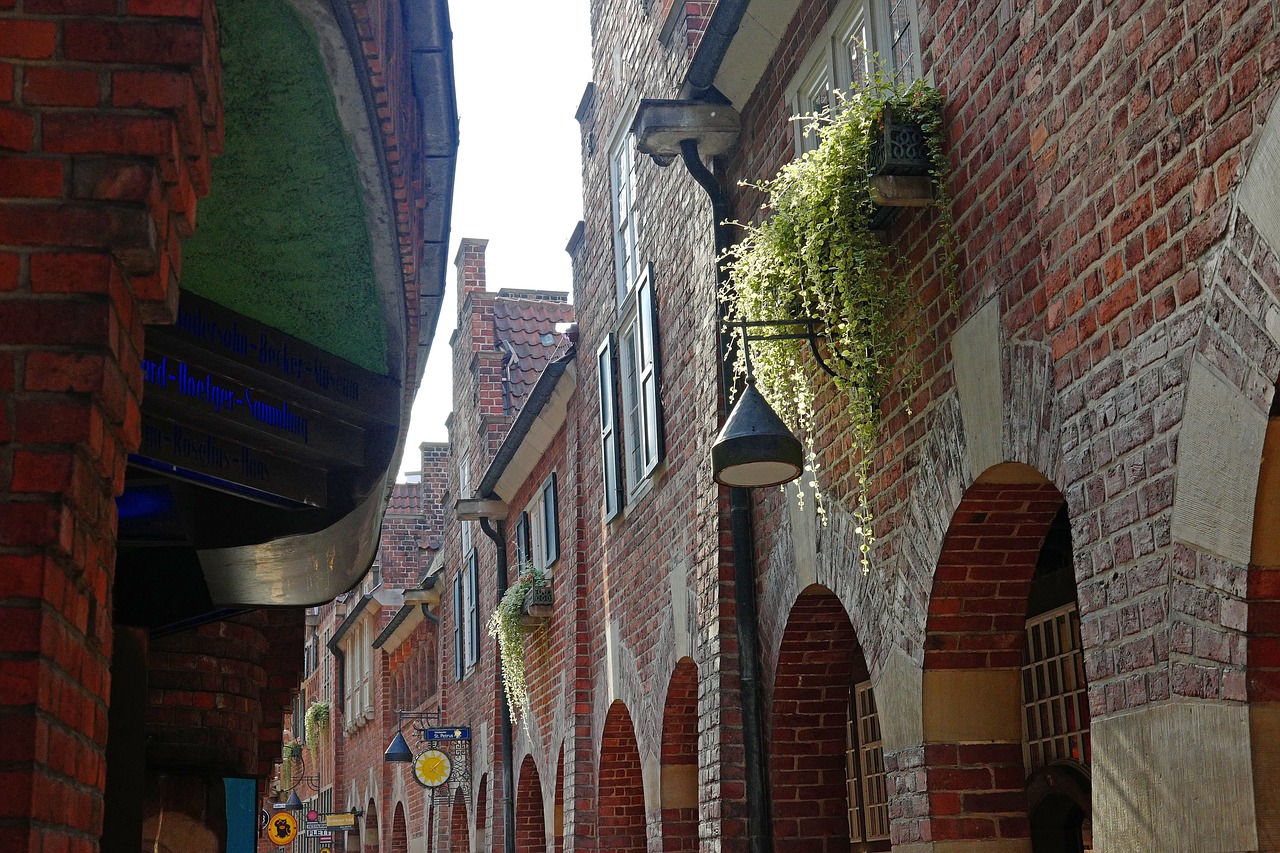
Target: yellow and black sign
282, 828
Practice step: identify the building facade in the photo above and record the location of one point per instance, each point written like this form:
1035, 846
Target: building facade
1062, 637
199, 411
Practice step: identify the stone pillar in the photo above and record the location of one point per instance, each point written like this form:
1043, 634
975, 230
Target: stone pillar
106, 127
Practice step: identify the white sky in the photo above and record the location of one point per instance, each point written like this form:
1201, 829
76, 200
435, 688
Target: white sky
521, 69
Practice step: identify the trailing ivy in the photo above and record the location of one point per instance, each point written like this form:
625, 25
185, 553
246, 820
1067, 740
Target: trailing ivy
507, 626
816, 255
316, 724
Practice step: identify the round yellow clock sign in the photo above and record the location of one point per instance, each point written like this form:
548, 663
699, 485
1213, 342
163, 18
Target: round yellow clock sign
432, 768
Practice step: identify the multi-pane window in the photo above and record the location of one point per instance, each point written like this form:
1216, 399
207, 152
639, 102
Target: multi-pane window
466, 623
358, 673
622, 174
863, 36
630, 415
1055, 709
864, 770
538, 530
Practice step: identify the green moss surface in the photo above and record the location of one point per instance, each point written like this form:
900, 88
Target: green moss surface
283, 235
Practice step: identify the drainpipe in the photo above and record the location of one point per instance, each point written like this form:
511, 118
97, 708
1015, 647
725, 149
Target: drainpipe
759, 814
508, 750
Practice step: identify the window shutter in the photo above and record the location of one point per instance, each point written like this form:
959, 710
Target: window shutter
650, 397
610, 457
458, 616
522, 542
473, 611
551, 521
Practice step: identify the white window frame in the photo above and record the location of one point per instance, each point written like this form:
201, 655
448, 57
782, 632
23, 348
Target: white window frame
357, 658
538, 530
468, 612
829, 66
637, 366
622, 193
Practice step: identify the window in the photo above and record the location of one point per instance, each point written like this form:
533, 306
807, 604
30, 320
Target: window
538, 530
1055, 702
631, 436
861, 34
864, 770
357, 671
466, 591
622, 173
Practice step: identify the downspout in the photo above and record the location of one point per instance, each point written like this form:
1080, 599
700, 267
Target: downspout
759, 815
721, 29
508, 749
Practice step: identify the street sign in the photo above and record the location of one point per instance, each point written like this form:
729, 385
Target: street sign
459, 733
340, 819
282, 829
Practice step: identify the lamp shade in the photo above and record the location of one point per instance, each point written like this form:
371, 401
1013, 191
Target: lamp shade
398, 750
293, 804
754, 448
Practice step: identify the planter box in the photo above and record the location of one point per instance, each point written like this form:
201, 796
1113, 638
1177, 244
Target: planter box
898, 165
537, 605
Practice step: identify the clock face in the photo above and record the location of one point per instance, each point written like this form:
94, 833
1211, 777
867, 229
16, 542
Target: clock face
432, 768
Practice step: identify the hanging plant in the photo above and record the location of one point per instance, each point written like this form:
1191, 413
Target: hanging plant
291, 758
508, 626
818, 255
316, 724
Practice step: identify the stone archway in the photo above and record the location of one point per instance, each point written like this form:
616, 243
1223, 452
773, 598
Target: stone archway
1005, 699
620, 823
826, 770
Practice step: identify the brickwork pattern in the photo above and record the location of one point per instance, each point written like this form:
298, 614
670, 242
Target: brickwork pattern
107, 123
680, 751
621, 814
808, 712
531, 826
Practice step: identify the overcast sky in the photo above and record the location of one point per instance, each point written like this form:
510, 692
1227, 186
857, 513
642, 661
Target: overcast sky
520, 69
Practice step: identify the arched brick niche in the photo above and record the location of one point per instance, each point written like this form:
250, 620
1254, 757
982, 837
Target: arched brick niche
620, 825
399, 832
458, 841
371, 834
1003, 598
816, 763
531, 826
558, 813
680, 760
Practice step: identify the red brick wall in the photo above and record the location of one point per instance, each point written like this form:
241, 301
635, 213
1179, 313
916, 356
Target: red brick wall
680, 749
620, 821
809, 705
106, 125
531, 826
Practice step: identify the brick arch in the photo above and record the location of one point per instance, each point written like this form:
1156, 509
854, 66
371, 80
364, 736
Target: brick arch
974, 637
680, 759
558, 813
399, 831
482, 807
1263, 639
620, 824
531, 825
370, 841
818, 662
458, 836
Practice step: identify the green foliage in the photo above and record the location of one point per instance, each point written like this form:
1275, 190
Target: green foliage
817, 256
316, 724
291, 757
508, 627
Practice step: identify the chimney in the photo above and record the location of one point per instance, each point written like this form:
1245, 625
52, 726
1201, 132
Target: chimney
470, 264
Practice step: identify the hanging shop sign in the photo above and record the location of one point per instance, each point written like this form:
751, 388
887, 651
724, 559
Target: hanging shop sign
282, 828
233, 404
